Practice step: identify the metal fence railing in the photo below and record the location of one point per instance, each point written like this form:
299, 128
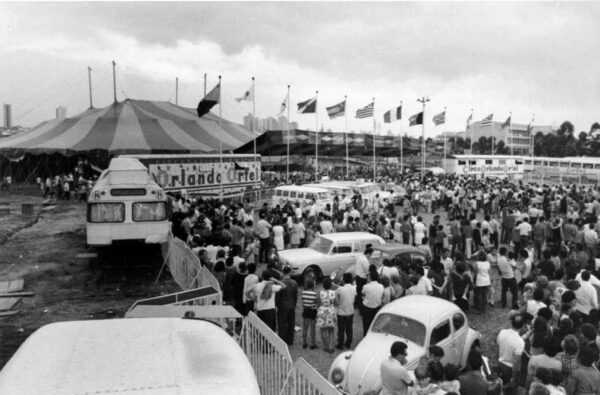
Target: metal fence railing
268, 354
303, 379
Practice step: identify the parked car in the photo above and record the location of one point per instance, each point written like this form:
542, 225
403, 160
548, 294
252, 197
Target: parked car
328, 253
417, 320
401, 253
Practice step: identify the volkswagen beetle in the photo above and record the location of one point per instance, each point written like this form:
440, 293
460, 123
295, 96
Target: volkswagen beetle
417, 320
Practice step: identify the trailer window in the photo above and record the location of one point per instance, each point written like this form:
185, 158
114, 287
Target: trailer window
149, 211
292, 194
488, 161
472, 162
462, 162
106, 212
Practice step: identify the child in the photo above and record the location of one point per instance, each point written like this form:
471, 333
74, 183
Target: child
309, 312
451, 382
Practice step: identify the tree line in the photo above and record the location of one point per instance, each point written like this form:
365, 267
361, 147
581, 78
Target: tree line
560, 143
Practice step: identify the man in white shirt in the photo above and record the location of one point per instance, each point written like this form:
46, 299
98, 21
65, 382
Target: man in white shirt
586, 297
510, 348
325, 225
344, 302
395, 379
372, 298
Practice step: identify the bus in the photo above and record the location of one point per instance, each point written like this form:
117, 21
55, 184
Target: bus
127, 204
304, 195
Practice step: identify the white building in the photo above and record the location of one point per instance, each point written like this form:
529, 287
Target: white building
517, 137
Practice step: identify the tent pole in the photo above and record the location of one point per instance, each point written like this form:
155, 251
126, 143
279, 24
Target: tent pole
220, 140
114, 65
90, 86
176, 91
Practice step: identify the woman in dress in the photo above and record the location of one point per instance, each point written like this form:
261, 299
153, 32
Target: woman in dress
326, 315
278, 239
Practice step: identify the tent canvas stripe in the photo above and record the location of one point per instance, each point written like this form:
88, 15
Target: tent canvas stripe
191, 127
155, 135
16, 141
102, 133
75, 133
50, 134
236, 131
182, 138
229, 128
129, 133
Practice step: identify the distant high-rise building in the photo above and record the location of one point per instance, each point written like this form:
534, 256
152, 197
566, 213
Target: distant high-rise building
7, 116
61, 112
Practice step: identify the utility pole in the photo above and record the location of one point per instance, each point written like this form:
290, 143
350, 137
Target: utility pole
423, 100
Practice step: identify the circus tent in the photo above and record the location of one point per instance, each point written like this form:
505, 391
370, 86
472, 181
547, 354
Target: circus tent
132, 127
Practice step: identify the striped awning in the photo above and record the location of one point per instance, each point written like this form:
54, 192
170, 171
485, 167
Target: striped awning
132, 127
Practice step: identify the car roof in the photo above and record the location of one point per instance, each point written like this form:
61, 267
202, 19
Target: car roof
301, 188
397, 248
343, 236
120, 355
426, 309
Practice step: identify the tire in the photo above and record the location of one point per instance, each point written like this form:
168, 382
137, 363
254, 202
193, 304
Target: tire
314, 271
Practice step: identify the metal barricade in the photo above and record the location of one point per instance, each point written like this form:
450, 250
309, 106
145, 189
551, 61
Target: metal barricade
198, 296
268, 354
303, 379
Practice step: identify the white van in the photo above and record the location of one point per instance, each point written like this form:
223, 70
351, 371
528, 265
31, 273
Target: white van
302, 194
339, 188
158, 356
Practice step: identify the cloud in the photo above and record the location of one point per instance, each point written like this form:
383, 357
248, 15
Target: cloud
524, 58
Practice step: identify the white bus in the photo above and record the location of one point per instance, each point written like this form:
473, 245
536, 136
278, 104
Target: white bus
304, 195
158, 356
126, 204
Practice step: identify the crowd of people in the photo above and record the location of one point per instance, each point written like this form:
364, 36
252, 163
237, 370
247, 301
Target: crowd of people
531, 249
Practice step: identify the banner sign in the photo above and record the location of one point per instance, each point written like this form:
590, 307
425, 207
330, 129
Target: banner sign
204, 173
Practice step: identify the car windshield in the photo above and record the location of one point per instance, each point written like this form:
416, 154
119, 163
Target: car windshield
400, 326
322, 245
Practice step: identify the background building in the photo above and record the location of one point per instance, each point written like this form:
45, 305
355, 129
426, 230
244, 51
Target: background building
263, 124
61, 112
7, 116
516, 138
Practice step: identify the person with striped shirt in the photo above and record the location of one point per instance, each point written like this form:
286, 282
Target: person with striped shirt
309, 312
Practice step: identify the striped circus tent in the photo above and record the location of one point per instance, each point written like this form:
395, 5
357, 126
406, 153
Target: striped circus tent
132, 127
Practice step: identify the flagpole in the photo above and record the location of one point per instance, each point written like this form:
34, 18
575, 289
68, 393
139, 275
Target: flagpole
510, 134
346, 134
253, 114
469, 127
316, 137
287, 166
401, 143
374, 155
423, 100
220, 141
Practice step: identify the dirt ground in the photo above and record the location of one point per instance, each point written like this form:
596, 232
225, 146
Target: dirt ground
43, 250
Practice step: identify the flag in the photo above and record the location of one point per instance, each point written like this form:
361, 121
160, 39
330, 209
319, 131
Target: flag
416, 119
506, 123
440, 118
337, 110
487, 119
213, 97
308, 106
284, 105
469, 119
247, 96
387, 117
366, 111
399, 112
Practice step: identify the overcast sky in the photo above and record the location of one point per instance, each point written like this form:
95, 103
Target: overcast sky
496, 58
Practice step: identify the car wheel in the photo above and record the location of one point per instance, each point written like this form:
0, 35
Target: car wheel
313, 271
